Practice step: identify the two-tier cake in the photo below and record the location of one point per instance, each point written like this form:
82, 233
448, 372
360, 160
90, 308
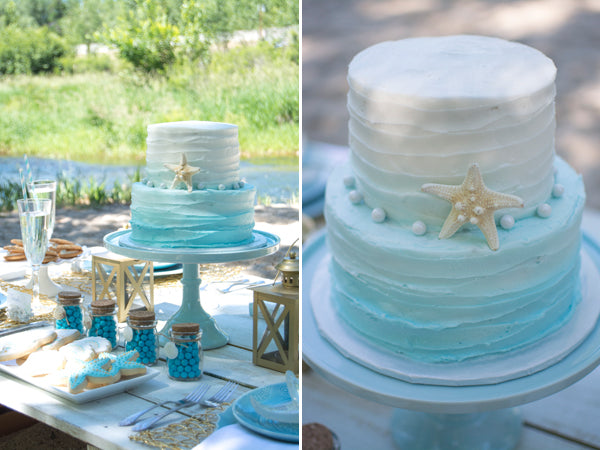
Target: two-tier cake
454, 230
193, 195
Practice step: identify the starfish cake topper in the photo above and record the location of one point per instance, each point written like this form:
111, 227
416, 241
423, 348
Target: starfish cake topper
183, 173
473, 202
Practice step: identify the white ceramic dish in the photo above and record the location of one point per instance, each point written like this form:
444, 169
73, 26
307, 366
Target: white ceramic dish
11, 368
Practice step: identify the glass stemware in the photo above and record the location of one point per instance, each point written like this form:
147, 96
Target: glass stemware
45, 189
34, 216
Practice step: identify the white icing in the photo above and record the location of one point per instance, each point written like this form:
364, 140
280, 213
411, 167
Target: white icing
211, 146
421, 110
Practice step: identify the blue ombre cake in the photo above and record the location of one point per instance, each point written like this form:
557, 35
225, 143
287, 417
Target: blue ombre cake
217, 211
421, 111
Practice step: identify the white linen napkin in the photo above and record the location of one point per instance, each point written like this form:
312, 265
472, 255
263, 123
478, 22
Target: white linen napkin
236, 437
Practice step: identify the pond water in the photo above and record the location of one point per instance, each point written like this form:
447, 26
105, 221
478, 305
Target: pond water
278, 182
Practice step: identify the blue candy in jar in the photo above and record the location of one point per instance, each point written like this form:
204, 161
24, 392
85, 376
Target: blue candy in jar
184, 352
69, 315
104, 321
143, 337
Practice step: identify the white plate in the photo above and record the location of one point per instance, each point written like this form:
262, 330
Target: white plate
83, 397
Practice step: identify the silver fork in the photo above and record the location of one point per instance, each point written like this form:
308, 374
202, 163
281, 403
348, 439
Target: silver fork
193, 400
134, 417
221, 396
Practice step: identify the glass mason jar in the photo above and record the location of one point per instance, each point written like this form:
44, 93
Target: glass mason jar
143, 336
104, 321
69, 313
186, 363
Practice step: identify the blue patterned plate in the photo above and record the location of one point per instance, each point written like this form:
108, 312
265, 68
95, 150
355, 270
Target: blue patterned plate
274, 394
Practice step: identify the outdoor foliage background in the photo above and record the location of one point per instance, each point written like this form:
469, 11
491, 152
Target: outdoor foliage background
82, 79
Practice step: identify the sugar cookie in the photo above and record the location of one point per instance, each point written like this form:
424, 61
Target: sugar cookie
86, 349
22, 344
126, 363
96, 373
42, 363
63, 337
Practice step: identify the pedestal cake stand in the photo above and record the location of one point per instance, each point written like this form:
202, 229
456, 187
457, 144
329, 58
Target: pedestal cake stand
441, 416
191, 310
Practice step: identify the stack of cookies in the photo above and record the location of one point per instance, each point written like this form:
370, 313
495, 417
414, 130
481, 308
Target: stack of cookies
57, 249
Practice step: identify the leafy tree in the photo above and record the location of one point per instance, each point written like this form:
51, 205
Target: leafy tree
144, 36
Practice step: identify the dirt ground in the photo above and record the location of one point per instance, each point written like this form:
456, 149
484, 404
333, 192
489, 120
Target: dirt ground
334, 31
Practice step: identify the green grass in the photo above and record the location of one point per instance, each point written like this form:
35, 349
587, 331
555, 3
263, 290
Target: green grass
102, 116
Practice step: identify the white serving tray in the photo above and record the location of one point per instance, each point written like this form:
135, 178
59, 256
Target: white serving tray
11, 368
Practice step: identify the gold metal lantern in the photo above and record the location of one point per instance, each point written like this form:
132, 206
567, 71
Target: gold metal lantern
278, 305
120, 281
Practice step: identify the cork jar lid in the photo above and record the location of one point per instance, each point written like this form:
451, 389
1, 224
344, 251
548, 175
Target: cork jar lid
105, 306
141, 317
69, 298
186, 327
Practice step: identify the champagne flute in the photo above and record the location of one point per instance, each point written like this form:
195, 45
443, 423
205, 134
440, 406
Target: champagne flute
34, 216
45, 189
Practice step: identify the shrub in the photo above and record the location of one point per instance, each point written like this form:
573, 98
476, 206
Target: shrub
30, 50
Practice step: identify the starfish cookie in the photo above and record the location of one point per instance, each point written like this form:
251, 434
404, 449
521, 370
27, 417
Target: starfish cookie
95, 373
183, 173
473, 202
126, 363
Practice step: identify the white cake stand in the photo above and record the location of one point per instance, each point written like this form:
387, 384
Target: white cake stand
191, 310
442, 417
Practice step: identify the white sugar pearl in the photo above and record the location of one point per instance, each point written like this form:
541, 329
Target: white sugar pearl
235, 186
150, 183
144, 180
163, 186
378, 215
558, 190
241, 183
544, 210
419, 228
355, 197
349, 181
474, 220
507, 221
200, 186
221, 187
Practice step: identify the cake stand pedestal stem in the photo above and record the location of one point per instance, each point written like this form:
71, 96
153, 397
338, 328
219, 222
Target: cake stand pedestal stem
498, 430
191, 311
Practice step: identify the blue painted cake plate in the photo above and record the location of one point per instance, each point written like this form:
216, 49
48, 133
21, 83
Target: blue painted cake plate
442, 417
262, 244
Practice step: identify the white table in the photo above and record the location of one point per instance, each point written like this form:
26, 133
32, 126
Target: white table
564, 421
96, 422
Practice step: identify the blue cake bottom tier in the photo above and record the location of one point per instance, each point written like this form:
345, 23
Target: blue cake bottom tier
450, 300
176, 218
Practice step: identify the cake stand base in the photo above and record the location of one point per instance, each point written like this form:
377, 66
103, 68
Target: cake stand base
498, 430
436, 416
191, 309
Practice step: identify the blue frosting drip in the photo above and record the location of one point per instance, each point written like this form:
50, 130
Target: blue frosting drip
449, 300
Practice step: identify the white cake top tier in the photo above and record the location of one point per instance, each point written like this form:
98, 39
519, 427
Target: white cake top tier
438, 72
211, 146
423, 110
